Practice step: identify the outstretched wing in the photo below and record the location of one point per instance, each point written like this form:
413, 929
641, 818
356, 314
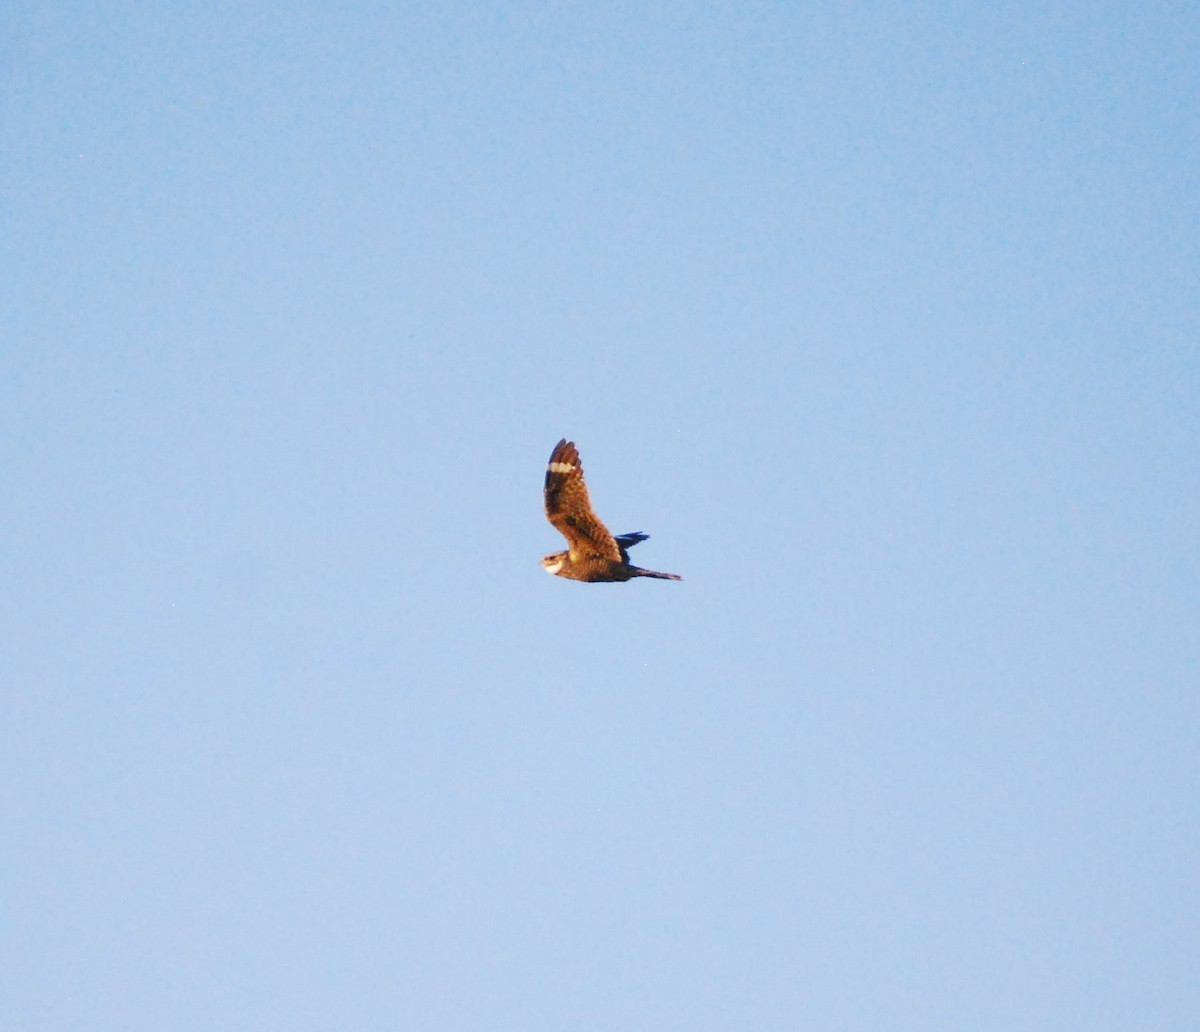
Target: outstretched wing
569, 509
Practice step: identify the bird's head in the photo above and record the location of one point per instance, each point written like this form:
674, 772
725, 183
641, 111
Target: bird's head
554, 563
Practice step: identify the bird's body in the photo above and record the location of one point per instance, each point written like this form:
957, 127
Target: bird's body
593, 553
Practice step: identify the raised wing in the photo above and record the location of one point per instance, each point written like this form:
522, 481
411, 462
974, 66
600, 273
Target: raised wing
570, 510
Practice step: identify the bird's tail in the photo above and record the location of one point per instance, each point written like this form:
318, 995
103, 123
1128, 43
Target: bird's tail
639, 572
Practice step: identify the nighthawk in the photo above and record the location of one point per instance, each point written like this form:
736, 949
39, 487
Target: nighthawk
594, 554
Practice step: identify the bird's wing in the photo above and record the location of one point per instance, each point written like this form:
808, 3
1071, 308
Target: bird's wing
570, 510
626, 541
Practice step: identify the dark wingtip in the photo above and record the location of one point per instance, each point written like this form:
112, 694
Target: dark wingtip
564, 446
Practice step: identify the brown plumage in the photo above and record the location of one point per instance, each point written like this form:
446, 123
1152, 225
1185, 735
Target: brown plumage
593, 554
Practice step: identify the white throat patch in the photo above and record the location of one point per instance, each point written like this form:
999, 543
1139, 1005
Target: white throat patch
554, 567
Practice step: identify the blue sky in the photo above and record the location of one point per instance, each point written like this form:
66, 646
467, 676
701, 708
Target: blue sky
881, 321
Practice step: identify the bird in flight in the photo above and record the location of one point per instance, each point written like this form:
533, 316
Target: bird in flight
593, 553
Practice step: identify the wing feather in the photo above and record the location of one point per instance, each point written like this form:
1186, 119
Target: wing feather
569, 509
